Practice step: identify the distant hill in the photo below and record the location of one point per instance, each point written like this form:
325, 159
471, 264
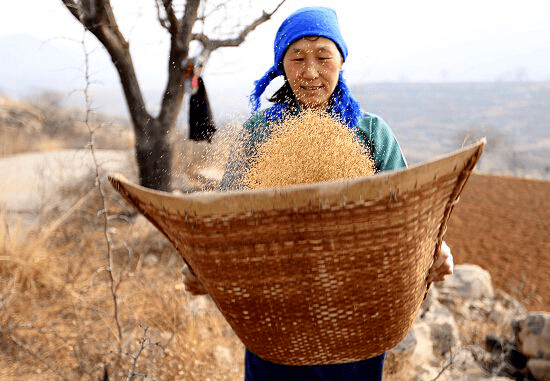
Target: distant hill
29, 66
488, 57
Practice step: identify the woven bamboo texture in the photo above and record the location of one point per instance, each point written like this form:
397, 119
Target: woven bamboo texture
320, 273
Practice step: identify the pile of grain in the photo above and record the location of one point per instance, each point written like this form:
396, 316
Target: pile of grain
312, 147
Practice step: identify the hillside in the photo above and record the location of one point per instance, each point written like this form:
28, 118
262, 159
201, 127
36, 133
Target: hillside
42, 123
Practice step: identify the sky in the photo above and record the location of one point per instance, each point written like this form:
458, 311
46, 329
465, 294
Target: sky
389, 40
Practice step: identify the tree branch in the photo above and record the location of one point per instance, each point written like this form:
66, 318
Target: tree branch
179, 52
216, 9
173, 24
188, 20
142, 342
163, 22
213, 44
91, 131
73, 8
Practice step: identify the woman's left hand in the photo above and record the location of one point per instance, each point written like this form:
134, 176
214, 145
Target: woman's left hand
443, 265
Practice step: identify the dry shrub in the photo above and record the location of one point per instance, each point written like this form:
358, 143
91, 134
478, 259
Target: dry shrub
24, 263
56, 310
27, 268
312, 147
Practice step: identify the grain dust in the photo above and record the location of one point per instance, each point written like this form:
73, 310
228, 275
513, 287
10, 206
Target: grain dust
311, 147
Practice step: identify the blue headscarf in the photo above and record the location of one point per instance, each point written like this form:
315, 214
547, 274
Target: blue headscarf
309, 21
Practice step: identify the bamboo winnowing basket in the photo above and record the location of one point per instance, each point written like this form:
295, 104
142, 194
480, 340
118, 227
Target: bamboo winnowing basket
317, 273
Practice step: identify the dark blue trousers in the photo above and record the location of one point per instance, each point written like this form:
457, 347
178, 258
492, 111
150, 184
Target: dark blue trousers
258, 369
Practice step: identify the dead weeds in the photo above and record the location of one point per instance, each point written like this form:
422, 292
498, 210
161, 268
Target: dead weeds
56, 313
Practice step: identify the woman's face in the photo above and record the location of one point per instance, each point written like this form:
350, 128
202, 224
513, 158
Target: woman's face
312, 66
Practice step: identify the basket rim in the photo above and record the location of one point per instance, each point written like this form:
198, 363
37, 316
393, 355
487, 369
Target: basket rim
327, 193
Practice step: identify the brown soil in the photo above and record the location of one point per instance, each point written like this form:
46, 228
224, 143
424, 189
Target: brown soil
503, 224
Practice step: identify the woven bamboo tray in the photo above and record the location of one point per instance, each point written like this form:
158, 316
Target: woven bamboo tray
320, 273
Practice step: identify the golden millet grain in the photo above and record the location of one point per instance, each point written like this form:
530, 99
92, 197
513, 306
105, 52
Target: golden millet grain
311, 147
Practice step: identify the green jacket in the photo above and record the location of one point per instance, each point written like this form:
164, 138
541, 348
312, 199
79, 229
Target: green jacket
371, 131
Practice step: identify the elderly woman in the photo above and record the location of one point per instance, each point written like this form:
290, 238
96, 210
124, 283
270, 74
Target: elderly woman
309, 54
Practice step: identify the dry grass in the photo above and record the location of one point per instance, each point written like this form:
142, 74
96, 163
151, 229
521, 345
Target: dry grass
56, 316
312, 147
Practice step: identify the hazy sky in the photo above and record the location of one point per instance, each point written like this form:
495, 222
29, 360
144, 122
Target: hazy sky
389, 40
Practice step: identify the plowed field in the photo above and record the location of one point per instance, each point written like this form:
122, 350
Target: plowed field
503, 225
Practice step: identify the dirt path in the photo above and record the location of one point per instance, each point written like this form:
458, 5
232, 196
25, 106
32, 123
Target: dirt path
503, 225
30, 183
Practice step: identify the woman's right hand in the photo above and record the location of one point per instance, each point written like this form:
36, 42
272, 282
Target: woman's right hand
192, 284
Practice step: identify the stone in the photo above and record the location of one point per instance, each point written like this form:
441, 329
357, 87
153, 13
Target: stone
540, 369
533, 335
514, 357
461, 366
469, 282
509, 303
399, 356
423, 352
443, 329
493, 343
442, 338
432, 296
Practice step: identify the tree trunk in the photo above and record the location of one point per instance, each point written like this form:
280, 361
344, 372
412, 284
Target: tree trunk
153, 155
152, 146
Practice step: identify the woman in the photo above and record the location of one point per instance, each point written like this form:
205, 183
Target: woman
309, 54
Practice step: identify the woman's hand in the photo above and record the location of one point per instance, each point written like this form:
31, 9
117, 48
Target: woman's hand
443, 265
192, 284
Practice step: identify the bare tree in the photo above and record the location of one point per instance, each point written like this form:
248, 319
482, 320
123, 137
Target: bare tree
151, 132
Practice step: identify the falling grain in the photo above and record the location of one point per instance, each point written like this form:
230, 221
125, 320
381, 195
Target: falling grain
312, 147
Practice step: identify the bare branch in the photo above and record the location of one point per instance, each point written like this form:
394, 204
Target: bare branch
173, 25
98, 17
73, 8
213, 44
135, 358
188, 21
179, 52
205, 16
162, 20
447, 366
99, 184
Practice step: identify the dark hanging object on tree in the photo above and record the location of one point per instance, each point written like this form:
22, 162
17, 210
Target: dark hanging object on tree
201, 122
